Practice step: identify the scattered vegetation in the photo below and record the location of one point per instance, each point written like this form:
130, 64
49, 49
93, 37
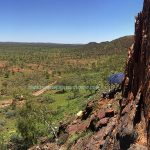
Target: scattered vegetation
80, 72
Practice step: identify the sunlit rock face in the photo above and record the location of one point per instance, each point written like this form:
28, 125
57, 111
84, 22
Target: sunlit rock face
137, 90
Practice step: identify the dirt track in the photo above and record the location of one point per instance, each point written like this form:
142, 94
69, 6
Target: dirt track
5, 103
38, 93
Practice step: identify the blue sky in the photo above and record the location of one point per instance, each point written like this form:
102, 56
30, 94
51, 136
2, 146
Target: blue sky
67, 21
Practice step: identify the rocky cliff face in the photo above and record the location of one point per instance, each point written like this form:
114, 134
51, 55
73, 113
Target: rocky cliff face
136, 88
120, 122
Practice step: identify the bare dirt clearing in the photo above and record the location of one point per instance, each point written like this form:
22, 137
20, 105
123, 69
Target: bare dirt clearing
5, 103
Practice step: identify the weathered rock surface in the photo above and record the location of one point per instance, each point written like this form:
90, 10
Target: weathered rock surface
136, 87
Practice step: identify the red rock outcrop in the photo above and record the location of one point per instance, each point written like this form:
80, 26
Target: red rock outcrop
136, 88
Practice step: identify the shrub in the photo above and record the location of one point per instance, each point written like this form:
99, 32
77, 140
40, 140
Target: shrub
15, 138
17, 142
3, 145
3, 91
33, 122
10, 114
46, 99
2, 122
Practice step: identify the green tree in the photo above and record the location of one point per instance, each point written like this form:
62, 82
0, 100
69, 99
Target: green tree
33, 121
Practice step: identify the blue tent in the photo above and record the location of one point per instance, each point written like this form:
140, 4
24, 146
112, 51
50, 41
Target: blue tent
116, 78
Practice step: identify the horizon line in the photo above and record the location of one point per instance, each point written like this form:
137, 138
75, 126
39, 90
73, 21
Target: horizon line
61, 43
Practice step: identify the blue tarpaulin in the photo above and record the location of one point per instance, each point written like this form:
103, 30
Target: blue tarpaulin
116, 78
